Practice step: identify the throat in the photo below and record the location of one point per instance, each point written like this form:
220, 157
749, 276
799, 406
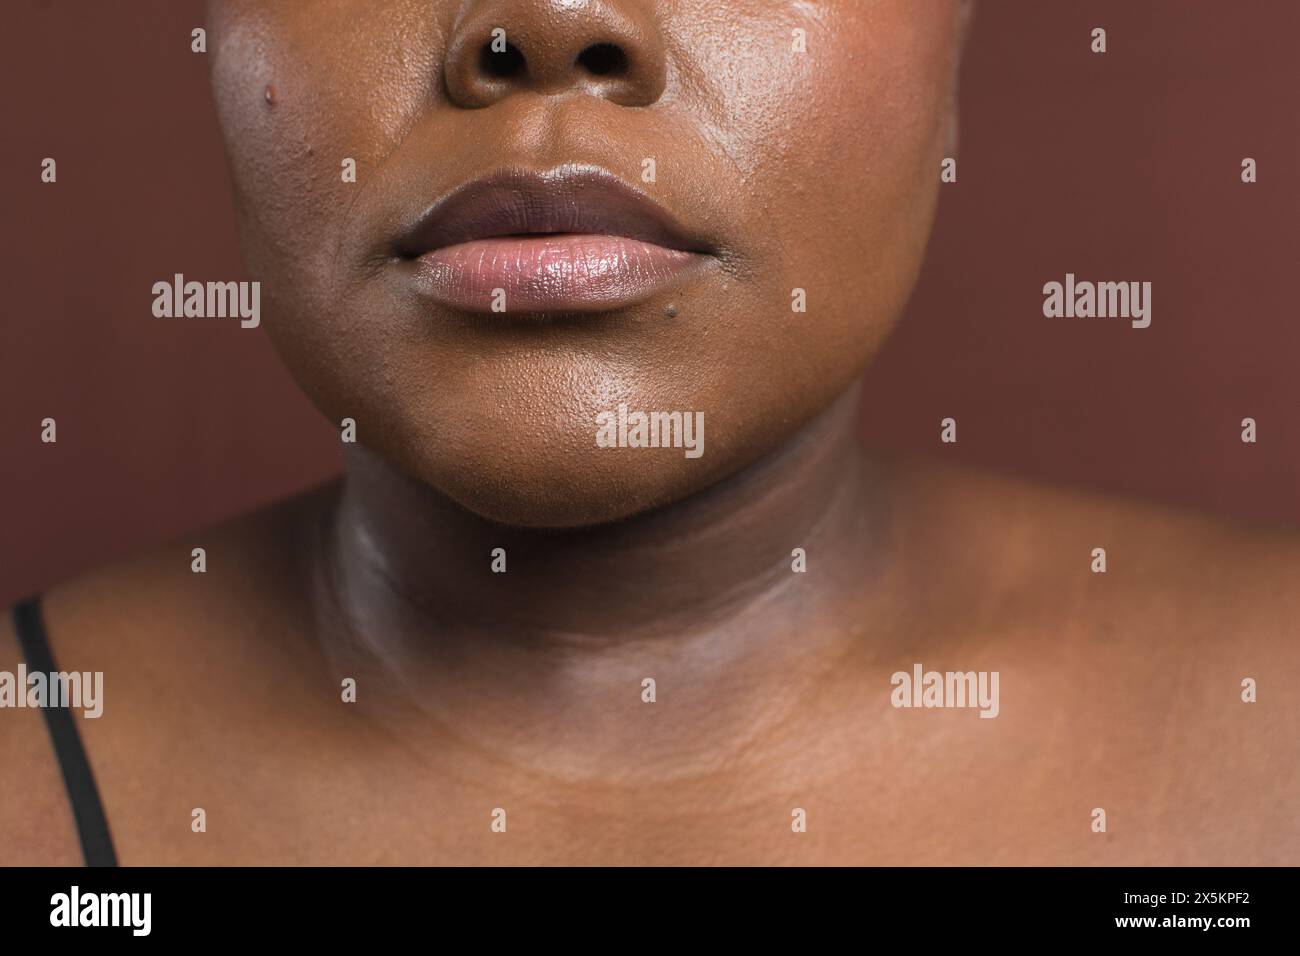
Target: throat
559, 653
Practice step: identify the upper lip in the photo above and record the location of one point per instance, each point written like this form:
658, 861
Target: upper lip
569, 199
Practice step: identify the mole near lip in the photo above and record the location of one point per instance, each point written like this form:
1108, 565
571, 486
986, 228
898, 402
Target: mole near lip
572, 240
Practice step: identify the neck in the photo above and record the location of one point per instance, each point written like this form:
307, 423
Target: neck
397, 541
708, 582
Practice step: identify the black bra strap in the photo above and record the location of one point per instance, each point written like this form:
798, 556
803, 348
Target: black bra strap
92, 826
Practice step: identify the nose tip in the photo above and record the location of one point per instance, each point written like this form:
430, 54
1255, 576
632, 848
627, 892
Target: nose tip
606, 48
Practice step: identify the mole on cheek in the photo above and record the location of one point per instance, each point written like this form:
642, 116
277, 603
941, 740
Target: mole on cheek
269, 95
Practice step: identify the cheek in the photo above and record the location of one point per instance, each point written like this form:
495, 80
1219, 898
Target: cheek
842, 153
302, 95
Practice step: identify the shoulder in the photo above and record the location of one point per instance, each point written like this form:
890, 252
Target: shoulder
1185, 586
1031, 534
1158, 647
36, 825
228, 578
179, 634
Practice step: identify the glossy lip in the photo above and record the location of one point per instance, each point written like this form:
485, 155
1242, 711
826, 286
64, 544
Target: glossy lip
573, 239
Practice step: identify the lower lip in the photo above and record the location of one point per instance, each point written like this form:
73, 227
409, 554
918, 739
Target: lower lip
553, 273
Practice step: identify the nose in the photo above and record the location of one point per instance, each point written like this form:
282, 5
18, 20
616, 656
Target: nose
613, 49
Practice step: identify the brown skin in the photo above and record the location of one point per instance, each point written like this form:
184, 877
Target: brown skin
523, 690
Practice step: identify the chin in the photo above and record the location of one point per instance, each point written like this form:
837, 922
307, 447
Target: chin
565, 456
578, 489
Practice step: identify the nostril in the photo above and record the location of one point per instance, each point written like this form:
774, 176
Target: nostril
603, 59
508, 63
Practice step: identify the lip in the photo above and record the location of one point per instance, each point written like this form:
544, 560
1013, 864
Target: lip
572, 239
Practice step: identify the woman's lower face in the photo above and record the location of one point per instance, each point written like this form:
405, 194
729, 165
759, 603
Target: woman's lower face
569, 262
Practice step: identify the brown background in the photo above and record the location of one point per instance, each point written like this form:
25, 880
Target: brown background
1124, 166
